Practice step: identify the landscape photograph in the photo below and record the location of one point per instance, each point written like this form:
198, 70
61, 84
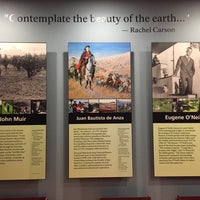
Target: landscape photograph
22, 71
99, 70
162, 105
107, 106
124, 105
185, 105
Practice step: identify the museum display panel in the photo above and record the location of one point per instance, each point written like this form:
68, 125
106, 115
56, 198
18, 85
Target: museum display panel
138, 23
175, 87
100, 107
23, 111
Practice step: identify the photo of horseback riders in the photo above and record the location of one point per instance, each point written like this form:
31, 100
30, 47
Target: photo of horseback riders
99, 70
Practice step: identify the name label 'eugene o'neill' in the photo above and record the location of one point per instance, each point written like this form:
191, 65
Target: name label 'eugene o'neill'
151, 29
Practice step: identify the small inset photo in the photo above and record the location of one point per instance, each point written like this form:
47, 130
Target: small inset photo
93, 106
21, 107
0, 106
78, 105
162, 105
186, 105
107, 106
7, 107
38, 107
124, 105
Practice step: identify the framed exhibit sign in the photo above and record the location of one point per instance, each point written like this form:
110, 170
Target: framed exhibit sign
99, 110
22, 111
176, 113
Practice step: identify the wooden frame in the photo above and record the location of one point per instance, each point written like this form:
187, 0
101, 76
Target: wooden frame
126, 198
25, 198
188, 197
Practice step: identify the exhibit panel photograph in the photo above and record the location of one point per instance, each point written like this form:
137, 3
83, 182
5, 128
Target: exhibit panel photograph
175, 106
22, 111
99, 110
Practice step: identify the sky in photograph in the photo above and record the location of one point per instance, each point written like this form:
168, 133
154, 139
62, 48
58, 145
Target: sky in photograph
11, 49
99, 50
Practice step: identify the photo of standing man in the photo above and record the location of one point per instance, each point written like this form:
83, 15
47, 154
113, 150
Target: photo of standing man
187, 70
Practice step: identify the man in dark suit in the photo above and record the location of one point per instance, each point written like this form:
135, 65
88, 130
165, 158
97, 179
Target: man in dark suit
187, 70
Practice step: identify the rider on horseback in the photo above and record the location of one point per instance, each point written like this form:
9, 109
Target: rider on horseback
87, 58
84, 57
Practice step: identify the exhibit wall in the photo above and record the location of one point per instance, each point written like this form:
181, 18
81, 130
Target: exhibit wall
139, 23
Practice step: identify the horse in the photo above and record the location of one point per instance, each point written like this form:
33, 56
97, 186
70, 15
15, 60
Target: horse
117, 81
109, 81
72, 72
87, 71
124, 86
